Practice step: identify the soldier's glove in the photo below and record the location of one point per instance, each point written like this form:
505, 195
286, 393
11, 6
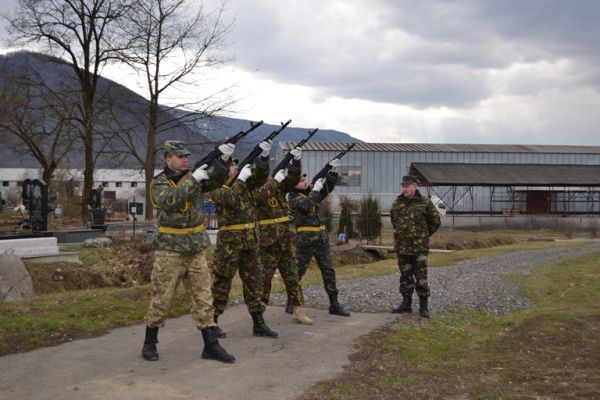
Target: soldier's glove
227, 150
265, 147
245, 173
296, 152
201, 173
318, 184
335, 163
279, 176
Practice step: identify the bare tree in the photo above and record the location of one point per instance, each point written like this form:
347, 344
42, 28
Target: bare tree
38, 118
82, 31
165, 42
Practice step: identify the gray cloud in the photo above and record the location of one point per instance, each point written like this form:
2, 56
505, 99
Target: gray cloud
420, 54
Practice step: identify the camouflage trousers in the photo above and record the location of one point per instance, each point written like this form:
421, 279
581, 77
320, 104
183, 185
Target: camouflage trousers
234, 255
322, 255
280, 256
413, 275
169, 269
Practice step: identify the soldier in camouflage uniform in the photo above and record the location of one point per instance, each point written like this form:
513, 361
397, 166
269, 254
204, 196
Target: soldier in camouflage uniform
277, 236
311, 235
181, 243
237, 242
414, 219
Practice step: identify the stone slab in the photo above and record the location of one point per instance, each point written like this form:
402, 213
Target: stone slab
29, 246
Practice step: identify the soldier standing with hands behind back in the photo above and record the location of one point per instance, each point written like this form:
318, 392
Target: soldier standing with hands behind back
414, 219
181, 243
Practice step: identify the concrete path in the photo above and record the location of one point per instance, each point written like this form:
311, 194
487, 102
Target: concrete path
111, 367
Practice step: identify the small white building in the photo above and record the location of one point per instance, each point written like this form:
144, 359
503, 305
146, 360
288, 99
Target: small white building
118, 184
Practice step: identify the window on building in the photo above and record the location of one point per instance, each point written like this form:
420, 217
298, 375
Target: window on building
104, 184
119, 184
349, 176
133, 184
5, 183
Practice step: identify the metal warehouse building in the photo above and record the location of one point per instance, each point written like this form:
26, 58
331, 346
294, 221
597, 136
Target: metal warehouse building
470, 179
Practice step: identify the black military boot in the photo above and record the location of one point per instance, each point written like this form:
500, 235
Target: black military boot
220, 333
260, 328
423, 311
289, 308
149, 351
405, 307
212, 348
335, 307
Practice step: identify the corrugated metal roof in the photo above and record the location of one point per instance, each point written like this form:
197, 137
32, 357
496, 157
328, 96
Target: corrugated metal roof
447, 174
447, 148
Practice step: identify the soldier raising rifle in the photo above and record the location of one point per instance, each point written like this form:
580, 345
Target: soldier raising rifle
277, 234
181, 242
311, 235
237, 241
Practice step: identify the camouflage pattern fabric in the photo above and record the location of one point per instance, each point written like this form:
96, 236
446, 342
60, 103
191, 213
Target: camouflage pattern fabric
178, 202
414, 221
238, 249
169, 269
322, 254
413, 275
277, 240
306, 208
181, 257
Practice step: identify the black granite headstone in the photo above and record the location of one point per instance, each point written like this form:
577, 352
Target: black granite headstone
97, 213
38, 209
26, 194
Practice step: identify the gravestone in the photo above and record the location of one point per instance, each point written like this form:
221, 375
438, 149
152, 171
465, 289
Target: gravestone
135, 208
26, 193
97, 213
38, 208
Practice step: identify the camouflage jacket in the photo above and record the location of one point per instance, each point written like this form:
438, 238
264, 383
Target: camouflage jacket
178, 201
235, 203
414, 221
307, 211
271, 204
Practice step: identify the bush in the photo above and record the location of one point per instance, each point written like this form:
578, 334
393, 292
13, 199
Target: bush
345, 224
369, 219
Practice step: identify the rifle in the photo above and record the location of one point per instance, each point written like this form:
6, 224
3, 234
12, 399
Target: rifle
328, 167
210, 157
288, 157
257, 150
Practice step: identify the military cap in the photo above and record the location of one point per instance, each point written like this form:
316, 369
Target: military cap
408, 179
176, 147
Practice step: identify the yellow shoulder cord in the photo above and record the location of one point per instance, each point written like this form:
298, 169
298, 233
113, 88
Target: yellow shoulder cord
173, 185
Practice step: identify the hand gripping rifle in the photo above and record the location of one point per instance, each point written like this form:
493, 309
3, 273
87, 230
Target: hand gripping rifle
328, 167
288, 157
210, 157
257, 150
249, 159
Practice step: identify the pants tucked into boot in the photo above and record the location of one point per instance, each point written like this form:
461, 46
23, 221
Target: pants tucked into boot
149, 351
212, 349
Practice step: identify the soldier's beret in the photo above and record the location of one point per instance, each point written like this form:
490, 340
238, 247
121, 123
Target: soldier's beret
409, 179
176, 147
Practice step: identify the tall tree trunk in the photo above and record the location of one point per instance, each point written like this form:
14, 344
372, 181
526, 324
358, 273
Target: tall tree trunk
150, 164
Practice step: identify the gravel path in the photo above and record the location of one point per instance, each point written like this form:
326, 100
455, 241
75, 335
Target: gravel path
479, 283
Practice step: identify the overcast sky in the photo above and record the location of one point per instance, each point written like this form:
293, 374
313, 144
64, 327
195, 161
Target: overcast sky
489, 71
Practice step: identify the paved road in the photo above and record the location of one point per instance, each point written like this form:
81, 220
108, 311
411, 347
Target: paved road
111, 367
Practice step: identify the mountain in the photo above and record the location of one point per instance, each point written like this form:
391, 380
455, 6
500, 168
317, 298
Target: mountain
125, 111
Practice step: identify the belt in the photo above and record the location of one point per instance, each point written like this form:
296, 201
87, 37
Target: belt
311, 228
181, 231
238, 227
274, 220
